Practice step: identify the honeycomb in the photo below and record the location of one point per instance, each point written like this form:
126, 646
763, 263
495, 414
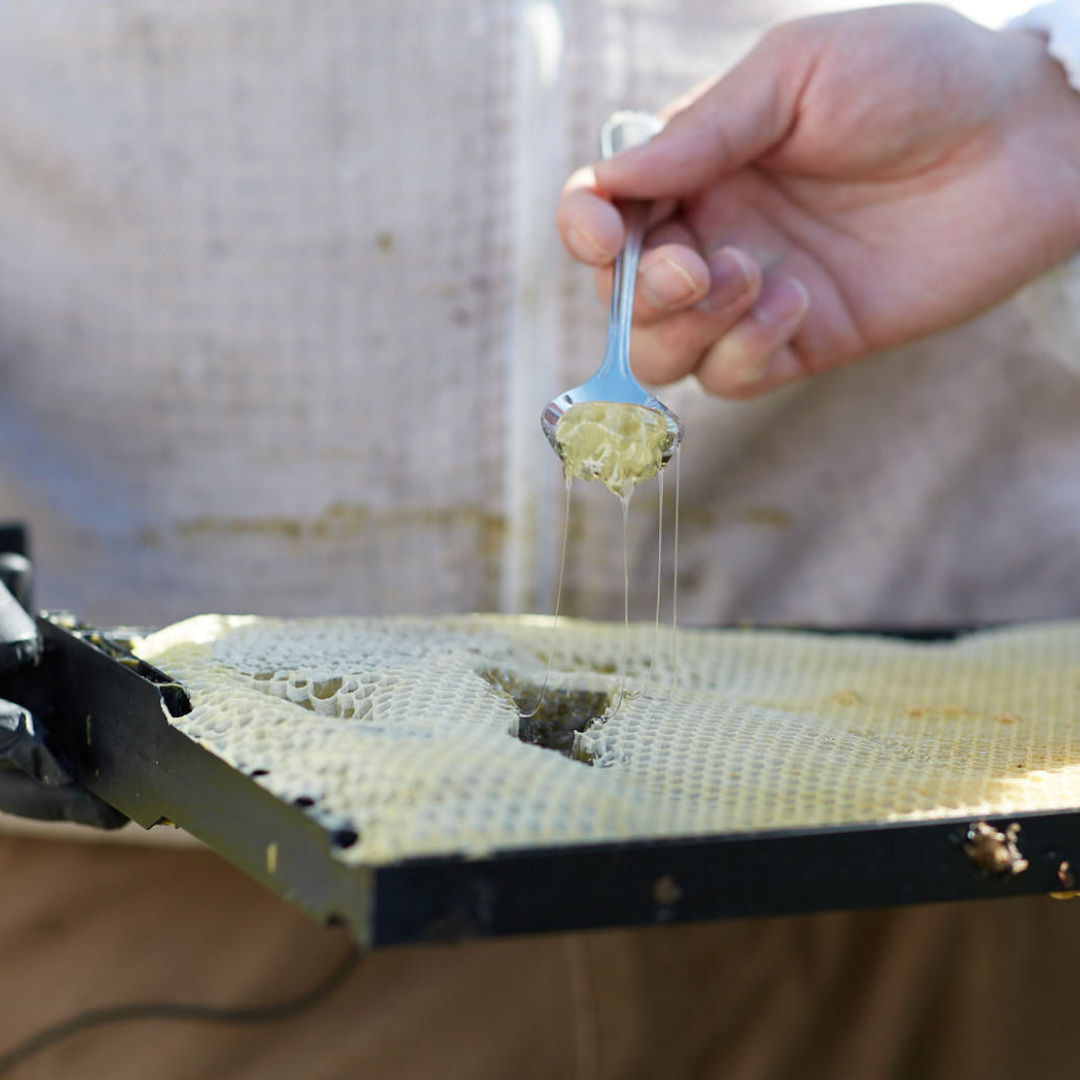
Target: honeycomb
403, 734
618, 444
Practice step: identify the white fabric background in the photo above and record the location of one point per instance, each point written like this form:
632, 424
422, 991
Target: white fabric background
280, 302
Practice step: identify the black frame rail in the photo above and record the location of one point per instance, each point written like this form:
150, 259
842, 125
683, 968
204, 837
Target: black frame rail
107, 711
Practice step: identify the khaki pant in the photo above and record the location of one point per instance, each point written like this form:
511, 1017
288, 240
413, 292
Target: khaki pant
982, 990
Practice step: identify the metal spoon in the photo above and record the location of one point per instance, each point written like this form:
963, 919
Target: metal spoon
614, 381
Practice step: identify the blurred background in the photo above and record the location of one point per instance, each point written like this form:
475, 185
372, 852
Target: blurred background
281, 299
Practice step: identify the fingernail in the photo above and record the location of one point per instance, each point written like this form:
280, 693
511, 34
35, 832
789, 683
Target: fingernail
587, 247
664, 283
781, 302
731, 276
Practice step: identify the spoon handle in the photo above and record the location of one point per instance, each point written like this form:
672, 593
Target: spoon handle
620, 132
635, 214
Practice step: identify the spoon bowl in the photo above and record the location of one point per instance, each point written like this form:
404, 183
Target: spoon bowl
602, 389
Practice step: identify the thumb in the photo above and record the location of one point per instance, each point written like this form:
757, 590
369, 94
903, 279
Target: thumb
736, 119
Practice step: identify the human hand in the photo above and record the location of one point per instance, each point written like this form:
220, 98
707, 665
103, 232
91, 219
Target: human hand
858, 181
34, 783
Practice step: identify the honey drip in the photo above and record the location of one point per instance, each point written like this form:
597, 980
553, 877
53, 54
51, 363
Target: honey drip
624, 494
624, 499
558, 603
659, 589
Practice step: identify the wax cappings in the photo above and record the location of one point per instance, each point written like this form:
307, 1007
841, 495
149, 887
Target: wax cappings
396, 728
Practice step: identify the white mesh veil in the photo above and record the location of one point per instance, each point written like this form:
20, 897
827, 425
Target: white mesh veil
254, 280
280, 301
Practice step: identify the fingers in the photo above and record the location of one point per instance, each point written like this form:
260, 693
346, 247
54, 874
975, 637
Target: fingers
740, 117
715, 318
755, 355
738, 342
672, 275
590, 227
670, 347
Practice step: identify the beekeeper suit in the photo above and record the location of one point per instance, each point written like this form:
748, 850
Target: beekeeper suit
280, 301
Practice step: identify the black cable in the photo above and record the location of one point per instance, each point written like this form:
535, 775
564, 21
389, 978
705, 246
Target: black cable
166, 1010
